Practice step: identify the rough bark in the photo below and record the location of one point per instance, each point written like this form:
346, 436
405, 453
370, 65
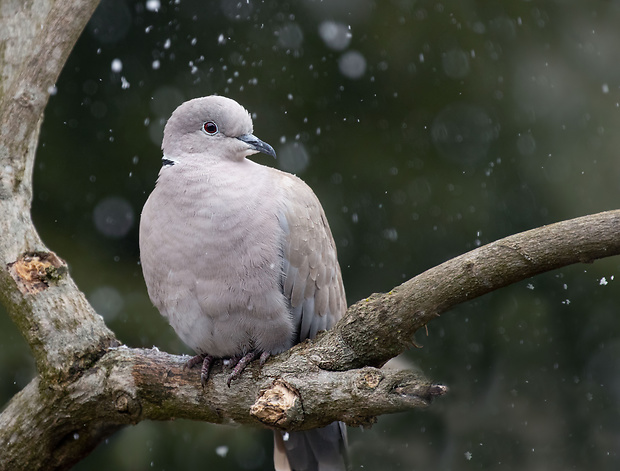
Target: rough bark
381, 326
88, 386
59, 325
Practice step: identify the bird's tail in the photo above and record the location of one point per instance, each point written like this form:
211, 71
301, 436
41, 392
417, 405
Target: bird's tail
321, 449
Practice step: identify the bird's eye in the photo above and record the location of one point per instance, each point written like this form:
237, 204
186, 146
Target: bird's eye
210, 127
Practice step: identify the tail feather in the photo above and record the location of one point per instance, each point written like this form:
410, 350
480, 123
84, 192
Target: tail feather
322, 449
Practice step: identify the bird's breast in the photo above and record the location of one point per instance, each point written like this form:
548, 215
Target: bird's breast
214, 263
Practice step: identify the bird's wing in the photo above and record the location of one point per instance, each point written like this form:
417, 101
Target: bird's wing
311, 279
312, 285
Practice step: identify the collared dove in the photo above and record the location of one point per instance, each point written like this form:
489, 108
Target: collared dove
239, 257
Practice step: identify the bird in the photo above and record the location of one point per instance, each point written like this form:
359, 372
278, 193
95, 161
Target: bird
239, 257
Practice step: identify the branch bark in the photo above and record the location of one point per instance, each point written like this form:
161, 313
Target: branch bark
59, 325
382, 326
88, 386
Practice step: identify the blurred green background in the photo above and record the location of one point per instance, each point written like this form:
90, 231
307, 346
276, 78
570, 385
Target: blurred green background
426, 129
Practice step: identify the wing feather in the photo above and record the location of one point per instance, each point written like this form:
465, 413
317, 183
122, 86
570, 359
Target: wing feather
312, 282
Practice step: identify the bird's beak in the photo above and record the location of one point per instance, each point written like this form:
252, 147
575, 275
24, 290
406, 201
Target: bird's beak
258, 145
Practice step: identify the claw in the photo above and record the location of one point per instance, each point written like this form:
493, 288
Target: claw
263, 357
244, 361
206, 361
205, 370
193, 361
238, 364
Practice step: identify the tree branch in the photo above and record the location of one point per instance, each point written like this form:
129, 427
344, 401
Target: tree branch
63, 331
382, 326
127, 386
297, 390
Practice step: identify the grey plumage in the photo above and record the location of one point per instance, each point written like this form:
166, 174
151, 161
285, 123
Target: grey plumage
238, 256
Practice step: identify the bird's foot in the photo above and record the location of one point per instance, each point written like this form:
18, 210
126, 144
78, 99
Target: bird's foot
206, 361
241, 363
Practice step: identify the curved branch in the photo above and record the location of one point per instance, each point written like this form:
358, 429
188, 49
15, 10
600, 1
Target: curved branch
297, 390
63, 331
382, 326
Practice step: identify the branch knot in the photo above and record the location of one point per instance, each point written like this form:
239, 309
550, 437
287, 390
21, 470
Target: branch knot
278, 406
35, 271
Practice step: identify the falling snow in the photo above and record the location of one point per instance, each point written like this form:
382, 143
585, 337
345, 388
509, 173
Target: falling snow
352, 64
221, 451
116, 66
337, 36
153, 5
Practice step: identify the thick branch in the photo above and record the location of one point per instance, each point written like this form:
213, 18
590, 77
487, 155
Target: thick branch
65, 334
61, 328
382, 326
289, 392
130, 385
295, 390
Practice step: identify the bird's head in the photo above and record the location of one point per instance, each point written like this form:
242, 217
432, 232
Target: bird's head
216, 126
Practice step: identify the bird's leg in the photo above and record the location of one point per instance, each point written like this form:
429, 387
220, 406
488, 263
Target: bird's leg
238, 364
206, 361
193, 361
241, 363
